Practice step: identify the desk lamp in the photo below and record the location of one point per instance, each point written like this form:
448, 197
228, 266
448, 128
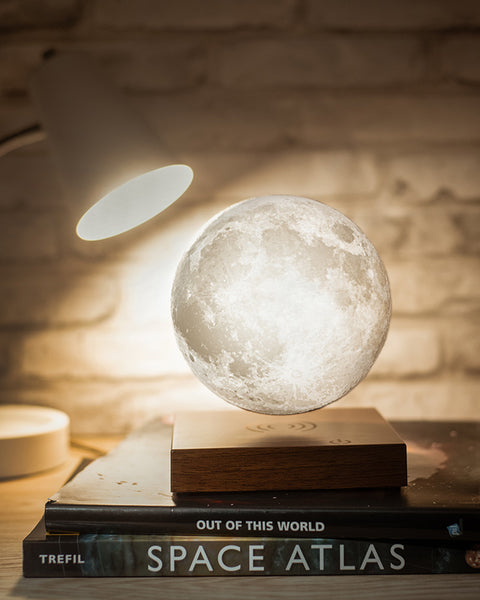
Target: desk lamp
111, 162
113, 168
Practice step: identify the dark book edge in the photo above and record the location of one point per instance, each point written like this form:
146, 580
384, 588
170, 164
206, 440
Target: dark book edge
440, 524
100, 555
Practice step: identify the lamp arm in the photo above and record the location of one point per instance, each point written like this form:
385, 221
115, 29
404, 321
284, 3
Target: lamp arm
23, 137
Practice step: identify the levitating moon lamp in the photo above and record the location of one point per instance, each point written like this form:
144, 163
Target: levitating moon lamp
281, 305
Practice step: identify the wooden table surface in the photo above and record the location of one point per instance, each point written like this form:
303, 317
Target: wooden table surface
21, 506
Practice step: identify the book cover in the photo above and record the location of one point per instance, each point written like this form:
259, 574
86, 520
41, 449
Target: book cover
137, 555
128, 491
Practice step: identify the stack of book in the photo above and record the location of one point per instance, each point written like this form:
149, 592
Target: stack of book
117, 517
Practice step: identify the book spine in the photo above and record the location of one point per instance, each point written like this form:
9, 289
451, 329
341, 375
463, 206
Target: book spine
99, 555
240, 522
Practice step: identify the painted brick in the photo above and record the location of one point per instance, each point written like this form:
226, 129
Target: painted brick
460, 59
99, 353
428, 174
390, 15
468, 222
266, 119
412, 349
434, 230
387, 118
5, 345
98, 407
354, 118
27, 237
153, 65
16, 113
445, 286
31, 14
29, 182
318, 174
151, 15
146, 282
222, 120
462, 344
331, 60
63, 296
18, 62
442, 398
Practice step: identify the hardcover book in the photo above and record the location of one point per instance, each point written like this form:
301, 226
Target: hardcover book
128, 491
123, 555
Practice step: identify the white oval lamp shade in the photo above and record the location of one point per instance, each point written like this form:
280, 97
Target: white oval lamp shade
32, 439
134, 202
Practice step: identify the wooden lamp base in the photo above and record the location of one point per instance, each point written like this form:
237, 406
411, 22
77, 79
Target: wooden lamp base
325, 449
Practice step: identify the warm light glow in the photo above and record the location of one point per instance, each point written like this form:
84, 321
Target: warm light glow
134, 202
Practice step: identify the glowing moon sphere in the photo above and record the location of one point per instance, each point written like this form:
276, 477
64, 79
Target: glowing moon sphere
281, 305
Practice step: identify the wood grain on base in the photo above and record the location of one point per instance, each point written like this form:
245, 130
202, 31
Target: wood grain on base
323, 449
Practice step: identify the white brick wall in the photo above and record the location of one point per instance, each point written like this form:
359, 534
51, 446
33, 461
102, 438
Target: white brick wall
460, 58
30, 14
372, 107
321, 61
390, 15
152, 15
46, 296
